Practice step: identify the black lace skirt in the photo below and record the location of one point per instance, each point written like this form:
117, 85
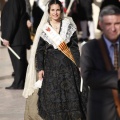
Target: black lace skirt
59, 97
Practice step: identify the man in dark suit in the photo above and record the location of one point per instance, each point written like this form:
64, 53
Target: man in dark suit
99, 68
15, 32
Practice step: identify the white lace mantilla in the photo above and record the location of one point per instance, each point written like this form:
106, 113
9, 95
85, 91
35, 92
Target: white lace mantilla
67, 30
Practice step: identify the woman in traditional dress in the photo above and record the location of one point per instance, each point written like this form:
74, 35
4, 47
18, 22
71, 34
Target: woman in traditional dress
59, 96
56, 58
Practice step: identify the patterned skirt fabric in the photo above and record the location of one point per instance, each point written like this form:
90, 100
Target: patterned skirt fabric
59, 97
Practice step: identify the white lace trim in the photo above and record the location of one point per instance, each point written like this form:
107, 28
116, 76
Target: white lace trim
67, 30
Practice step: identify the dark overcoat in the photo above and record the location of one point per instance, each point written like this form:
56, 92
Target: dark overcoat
13, 23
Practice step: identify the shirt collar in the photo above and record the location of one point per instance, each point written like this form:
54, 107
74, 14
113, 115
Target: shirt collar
108, 42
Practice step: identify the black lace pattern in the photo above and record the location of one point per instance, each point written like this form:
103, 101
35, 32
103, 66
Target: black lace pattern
59, 97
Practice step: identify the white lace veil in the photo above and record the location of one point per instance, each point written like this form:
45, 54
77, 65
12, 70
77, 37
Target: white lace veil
31, 74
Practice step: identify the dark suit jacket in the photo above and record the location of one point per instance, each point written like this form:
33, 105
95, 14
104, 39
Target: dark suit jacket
13, 23
101, 82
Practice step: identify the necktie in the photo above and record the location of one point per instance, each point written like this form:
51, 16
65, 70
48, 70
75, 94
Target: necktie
115, 46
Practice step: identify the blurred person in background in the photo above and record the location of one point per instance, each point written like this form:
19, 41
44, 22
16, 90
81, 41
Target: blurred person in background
74, 13
29, 21
86, 20
15, 32
81, 12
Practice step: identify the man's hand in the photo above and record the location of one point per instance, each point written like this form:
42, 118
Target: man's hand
29, 24
40, 74
119, 0
5, 42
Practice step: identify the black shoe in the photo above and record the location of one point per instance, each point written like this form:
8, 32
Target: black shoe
14, 88
10, 87
13, 74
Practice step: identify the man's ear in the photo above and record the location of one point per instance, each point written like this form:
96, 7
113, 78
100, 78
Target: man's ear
100, 24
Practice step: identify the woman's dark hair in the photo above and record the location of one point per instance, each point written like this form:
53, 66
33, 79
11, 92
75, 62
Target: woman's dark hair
55, 2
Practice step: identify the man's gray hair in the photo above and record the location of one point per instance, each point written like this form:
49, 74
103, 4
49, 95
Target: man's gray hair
109, 10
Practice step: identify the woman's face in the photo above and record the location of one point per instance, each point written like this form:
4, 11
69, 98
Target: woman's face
55, 12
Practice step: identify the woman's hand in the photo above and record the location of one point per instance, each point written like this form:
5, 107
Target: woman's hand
40, 74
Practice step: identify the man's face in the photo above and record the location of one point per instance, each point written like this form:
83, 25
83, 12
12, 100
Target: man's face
110, 25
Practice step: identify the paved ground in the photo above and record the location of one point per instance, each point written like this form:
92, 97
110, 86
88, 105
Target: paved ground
11, 101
